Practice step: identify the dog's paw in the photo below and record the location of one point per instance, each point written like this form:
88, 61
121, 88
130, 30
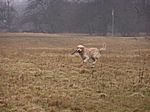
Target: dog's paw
93, 66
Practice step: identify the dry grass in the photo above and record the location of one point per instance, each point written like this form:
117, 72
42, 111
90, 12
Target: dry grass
38, 74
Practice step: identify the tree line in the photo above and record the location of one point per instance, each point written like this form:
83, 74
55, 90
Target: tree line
101, 17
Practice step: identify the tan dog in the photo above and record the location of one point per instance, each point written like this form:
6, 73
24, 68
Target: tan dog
89, 53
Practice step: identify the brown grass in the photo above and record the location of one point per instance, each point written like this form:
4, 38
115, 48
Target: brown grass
38, 74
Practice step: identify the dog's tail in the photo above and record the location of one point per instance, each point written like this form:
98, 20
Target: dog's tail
103, 48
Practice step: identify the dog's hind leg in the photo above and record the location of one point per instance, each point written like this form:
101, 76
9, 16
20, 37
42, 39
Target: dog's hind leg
94, 61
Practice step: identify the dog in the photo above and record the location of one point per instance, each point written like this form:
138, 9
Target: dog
87, 54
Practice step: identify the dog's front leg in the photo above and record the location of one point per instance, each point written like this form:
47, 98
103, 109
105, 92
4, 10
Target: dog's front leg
86, 59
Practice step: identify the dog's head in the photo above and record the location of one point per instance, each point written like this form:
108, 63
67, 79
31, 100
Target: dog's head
80, 49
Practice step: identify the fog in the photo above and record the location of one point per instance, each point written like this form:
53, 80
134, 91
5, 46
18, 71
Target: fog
94, 17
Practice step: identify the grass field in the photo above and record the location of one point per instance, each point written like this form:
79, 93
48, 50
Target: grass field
38, 74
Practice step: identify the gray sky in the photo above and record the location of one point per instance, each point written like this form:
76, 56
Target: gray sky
18, 0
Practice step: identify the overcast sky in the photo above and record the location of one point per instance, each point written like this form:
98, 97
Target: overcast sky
18, 0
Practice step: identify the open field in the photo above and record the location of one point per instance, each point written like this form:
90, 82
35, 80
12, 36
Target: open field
38, 74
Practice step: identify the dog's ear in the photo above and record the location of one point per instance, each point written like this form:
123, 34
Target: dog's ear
82, 48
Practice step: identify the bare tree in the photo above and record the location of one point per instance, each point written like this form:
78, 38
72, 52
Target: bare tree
7, 14
91, 16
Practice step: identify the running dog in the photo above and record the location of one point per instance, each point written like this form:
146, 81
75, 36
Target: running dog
87, 54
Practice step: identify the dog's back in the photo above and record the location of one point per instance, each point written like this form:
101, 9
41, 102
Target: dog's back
92, 52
